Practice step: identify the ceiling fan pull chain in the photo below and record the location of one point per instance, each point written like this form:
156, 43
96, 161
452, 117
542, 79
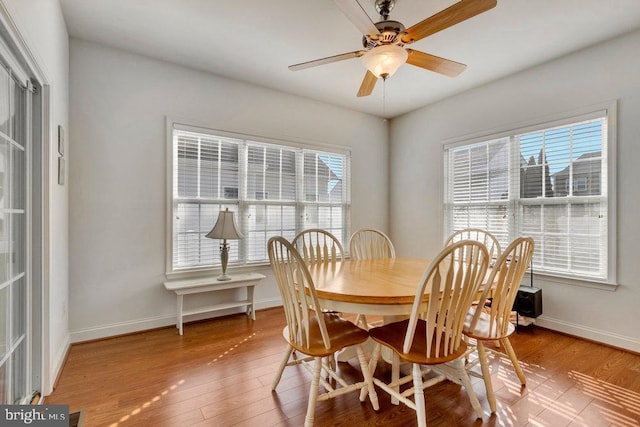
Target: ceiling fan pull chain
384, 98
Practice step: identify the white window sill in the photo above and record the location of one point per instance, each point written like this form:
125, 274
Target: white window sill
562, 280
216, 271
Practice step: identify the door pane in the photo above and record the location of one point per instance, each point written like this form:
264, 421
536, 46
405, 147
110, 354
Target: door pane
4, 383
14, 338
4, 323
19, 304
18, 369
5, 193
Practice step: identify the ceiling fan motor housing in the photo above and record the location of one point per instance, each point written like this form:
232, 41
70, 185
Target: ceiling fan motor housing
389, 31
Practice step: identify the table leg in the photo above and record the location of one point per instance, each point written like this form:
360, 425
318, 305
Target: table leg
350, 352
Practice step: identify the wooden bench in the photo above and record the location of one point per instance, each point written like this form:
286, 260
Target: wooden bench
211, 284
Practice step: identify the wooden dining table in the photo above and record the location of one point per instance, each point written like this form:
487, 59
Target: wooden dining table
382, 287
385, 287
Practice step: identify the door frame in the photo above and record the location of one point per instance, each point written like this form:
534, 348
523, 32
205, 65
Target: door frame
40, 198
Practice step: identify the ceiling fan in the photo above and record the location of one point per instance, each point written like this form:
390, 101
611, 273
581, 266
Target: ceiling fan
384, 41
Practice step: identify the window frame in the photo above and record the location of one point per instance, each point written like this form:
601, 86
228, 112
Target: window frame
606, 109
244, 204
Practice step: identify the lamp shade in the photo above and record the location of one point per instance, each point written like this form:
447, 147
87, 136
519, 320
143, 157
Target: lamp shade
225, 227
385, 60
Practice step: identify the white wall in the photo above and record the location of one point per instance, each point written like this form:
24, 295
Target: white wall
117, 175
42, 26
599, 74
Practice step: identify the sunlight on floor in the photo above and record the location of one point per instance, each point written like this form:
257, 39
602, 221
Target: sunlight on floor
231, 349
613, 405
147, 404
157, 398
613, 401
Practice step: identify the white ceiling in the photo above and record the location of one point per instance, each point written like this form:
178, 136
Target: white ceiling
255, 41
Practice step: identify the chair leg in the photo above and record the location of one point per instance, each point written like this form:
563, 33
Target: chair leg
418, 394
331, 362
468, 342
466, 382
395, 376
283, 365
313, 393
368, 379
514, 360
486, 376
373, 363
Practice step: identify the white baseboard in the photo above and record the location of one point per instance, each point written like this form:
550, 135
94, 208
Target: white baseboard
139, 325
268, 303
605, 337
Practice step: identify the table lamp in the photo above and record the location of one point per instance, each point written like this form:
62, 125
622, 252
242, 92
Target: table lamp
225, 229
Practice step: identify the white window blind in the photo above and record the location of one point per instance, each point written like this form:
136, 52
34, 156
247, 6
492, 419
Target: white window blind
550, 183
273, 189
479, 188
205, 181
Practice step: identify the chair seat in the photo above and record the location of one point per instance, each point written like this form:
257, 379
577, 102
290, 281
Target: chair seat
392, 335
483, 329
343, 334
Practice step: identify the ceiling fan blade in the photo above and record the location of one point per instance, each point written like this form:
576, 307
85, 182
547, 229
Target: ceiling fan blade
327, 60
434, 63
368, 83
446, 18
358, 16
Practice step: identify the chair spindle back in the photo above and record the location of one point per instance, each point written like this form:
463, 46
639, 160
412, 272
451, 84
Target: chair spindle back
452, 280
505, 276
317, 246
301, 305
368, 243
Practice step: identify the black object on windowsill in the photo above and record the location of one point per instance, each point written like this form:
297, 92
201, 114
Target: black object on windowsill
528, 301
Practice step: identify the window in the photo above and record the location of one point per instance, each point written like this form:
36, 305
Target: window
274, 190
549, 182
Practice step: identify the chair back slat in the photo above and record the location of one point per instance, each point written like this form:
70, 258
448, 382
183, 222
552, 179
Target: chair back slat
452, 280
505, 276
369, 243
299, 298
480, 235
317, 246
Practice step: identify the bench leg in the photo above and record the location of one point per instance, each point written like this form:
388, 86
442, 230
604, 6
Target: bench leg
250, 297
179, 314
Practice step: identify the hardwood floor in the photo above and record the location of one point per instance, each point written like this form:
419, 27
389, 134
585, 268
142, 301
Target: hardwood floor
219, 374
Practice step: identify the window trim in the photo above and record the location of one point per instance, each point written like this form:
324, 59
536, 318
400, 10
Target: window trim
173, 124
609, 109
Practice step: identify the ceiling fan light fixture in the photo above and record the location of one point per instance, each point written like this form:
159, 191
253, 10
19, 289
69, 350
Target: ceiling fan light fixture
384, 60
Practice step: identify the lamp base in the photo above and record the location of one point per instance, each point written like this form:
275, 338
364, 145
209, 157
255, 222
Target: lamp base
224, 258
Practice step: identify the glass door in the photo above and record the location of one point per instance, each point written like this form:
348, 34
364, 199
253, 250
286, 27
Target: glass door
15, 357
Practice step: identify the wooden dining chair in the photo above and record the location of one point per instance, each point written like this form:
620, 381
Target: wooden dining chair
312, 332
480, 235
318, 246
491, 323
369, 243
432, 336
